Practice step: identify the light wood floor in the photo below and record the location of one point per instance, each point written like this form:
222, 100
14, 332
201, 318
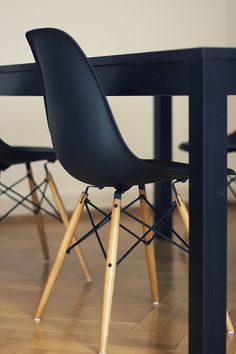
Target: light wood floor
72, 319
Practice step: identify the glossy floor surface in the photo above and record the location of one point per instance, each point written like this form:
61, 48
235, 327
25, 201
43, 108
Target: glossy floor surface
72, 318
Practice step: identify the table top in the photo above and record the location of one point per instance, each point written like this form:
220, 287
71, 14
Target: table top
147, 57
169, 72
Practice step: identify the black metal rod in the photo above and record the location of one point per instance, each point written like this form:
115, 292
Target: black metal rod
231, 180
16, 205
169, 240
17, 200
139, 239
131, 203
150, 228
15, 183
96, 232
126, 207
10, 210
153, 228
96, 207
25, 199
156, 223
103, 222
138, 220
121, 225
166, 223
43, 192
231, 188
44, 197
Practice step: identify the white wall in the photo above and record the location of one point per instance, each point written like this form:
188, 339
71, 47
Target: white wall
107, 27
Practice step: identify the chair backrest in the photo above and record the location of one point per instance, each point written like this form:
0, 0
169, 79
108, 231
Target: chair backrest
84, 134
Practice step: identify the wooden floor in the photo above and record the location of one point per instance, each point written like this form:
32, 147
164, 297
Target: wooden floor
72, 319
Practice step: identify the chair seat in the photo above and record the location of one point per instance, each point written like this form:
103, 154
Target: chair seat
142, 172
147, 171
11, 155
180, 170
184, 147
168, 170
231, 143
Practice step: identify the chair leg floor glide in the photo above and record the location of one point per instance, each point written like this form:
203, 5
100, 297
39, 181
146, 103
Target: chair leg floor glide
149, 250
61, 255
65, 219
37, 213
183, 211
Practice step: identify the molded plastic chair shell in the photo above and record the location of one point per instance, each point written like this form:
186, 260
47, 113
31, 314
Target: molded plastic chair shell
84, 133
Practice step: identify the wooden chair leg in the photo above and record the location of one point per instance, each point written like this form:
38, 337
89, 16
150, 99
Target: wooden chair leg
38, 215
183, 210
181, 206
62, 211
66, 242
149, 250
230, 345
110, 272
229, 324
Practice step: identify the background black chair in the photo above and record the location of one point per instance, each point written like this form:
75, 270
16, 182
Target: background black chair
90, 147
36, 200
231, 147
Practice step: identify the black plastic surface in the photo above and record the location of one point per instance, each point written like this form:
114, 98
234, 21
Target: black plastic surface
84, 133
231, 143
12, 155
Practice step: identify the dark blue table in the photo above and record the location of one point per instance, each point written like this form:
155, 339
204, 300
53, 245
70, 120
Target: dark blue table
207, 76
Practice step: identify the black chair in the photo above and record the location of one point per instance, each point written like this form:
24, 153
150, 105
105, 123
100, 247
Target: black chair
36, 200
13, 155
90, 147
231, 147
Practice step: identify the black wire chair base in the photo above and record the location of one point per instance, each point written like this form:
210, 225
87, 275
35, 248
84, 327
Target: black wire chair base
139, 239
25, 200
230, 182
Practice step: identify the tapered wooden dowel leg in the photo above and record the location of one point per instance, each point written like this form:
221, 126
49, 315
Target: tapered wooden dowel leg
110, 272
183, 213
38, 215
181, 206
149, 250
62, 211
66, 242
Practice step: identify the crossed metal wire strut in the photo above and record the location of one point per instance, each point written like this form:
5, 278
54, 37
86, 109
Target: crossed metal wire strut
25, 200
139, 239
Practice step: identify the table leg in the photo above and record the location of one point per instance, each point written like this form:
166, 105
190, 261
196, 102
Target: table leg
163, 150
208, 210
